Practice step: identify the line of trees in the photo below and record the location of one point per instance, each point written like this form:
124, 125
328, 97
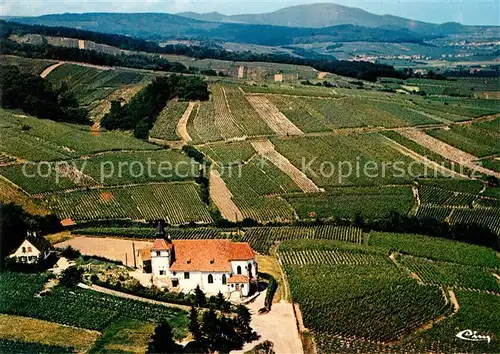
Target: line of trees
140, 113
360, 70
37, 97
129, 60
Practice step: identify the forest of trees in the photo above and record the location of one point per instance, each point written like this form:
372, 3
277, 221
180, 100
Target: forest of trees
37, 97
140, 113
359, 70
46, 51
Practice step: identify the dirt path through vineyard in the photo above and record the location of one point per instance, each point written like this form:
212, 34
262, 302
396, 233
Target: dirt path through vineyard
266, 149
276, 120
51, 68
425, 161
222, 198
447, 151
182, 125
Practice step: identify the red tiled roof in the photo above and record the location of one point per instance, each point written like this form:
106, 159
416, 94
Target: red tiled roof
208, 255
67, 222
238, 278
161, 244
240, 251
201, 255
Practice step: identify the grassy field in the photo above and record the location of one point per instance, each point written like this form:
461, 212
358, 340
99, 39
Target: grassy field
25, 329
46, 140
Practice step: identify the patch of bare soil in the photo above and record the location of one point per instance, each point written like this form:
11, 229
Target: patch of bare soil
182, 125
425, 161
322, 74
222, 198
109, 247
276, 120
447, 151
266, 149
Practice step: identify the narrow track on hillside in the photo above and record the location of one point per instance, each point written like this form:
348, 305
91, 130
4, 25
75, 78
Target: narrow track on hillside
222, 198
447, 151
423, 160
182, 125
51, 68
272, 116
266, 149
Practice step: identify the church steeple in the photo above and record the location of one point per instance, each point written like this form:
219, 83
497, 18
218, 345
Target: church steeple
160, 231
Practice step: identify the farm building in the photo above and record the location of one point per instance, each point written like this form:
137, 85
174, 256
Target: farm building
213, 265
32, 250
286, 77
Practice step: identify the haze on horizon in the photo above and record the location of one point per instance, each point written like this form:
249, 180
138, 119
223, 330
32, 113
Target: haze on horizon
481, 12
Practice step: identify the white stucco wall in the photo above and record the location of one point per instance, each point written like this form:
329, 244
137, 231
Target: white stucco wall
31, 253
244, 267
161, 262
201, 279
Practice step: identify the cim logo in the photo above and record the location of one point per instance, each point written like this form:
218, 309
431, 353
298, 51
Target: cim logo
472, 336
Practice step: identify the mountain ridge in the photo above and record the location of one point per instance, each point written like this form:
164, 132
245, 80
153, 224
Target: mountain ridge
161, 26
320, 15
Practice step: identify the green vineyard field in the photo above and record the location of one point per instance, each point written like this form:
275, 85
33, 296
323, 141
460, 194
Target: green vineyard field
435, 248
450, 274
262, 238
361, 300
338, 160
370, 203
79, 308
479, 139
176, 203
166, 123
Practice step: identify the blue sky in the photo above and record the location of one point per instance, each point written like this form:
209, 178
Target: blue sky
438, 11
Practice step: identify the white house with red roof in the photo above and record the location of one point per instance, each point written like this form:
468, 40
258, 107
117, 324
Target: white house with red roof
215, 265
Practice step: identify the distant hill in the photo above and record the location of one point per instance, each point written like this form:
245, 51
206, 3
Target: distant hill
328, 14
160, 26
